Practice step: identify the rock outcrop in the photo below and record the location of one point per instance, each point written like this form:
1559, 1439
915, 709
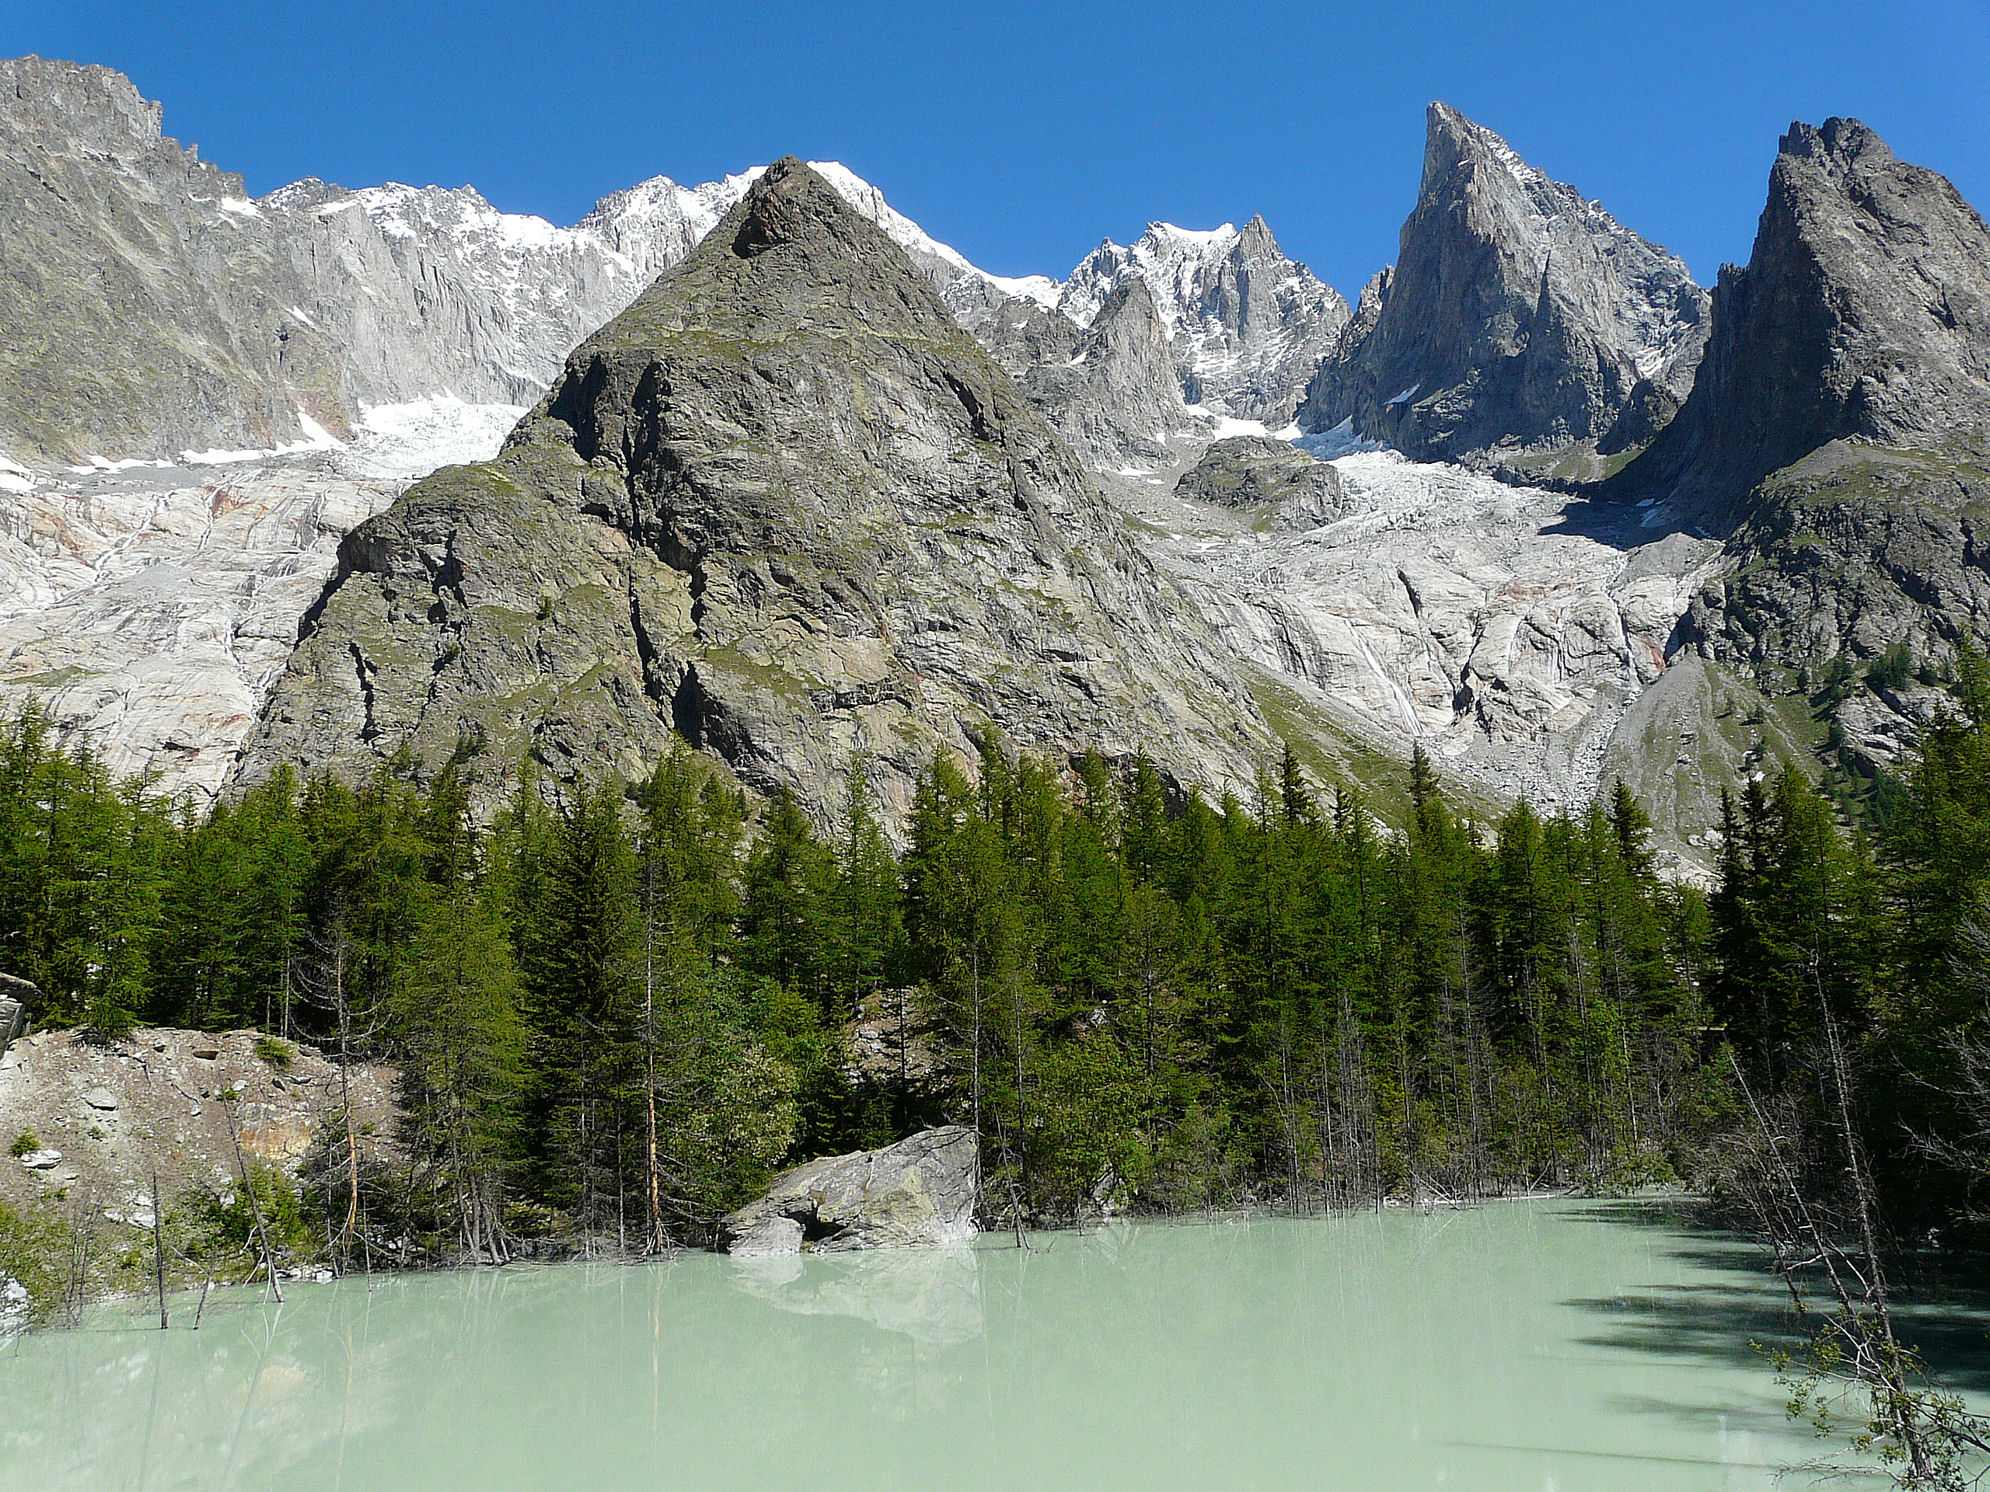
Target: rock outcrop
1519, 320
1256, 473
1109, 389
785, 507
16, 995
921, 1191
1246, 325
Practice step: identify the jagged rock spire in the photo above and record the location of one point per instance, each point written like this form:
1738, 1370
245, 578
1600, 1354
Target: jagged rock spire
1863, 313
1519, 317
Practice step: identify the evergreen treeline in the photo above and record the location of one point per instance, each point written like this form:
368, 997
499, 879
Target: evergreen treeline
619, 1007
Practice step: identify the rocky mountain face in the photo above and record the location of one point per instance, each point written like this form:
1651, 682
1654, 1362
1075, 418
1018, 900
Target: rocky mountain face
1109, 389
163, 312
1247, 325
147, 611
785, 507
1519, 320
1513, 632
1839, 432
1862, 315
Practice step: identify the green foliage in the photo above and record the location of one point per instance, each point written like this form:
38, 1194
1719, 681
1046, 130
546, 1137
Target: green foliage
25, 1143
624, 1006
457, 1018
223, 1226
37, 1248
1893, 668
276, 1052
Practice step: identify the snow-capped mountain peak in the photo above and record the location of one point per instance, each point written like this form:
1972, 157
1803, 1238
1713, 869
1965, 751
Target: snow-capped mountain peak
1168, 258
1247, 324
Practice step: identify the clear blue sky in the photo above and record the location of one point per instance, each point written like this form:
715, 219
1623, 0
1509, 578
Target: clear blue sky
1023, 134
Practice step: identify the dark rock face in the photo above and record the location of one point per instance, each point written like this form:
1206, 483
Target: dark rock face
1255, 471
921, 1191
785, 507
1839, 433
1519, 318
1863, 314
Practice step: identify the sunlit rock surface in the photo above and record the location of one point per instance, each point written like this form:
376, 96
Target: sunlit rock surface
1504, 628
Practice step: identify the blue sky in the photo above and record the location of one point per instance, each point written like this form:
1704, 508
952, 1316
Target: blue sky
1023, 134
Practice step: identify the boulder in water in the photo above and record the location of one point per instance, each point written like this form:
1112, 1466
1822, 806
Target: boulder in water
919, 1191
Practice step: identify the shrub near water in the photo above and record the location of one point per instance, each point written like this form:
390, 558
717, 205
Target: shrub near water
35, 1248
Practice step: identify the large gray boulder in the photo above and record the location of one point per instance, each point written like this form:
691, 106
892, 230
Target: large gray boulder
920, 1191
15, 995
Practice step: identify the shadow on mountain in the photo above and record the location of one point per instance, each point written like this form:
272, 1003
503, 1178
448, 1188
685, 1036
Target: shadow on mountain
1620, 525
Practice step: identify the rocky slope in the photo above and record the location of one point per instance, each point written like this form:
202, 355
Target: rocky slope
161, 311
785, 507
1839, 433
1509, 630
1246, 325
106, 1116
1519, 320
1862, 315
148, 611
164, 313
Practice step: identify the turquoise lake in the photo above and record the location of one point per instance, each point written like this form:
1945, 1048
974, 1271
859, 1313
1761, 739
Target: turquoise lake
1540, 1345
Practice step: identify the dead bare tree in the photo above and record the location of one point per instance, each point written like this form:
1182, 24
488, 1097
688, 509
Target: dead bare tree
327, 981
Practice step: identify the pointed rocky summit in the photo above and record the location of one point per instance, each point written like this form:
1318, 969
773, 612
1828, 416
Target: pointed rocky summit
1247, 326
1109, 389
1839, 433
1519, 320
784, 507
1863, 314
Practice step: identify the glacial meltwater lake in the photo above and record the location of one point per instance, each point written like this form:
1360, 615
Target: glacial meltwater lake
1526, 1345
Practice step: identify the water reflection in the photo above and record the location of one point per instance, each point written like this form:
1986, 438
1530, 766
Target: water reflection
1504, 1349
931, 1295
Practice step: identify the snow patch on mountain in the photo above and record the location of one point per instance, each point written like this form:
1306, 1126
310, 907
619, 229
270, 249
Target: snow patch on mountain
407, 441
1171, 260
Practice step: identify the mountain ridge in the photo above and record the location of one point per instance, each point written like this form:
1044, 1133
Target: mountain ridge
705, 531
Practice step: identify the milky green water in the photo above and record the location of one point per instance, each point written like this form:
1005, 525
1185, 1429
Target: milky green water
1533, 1345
